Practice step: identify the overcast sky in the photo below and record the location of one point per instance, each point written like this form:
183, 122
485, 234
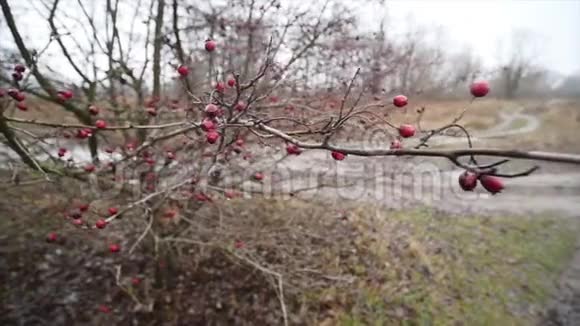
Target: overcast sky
479, 24
555, 25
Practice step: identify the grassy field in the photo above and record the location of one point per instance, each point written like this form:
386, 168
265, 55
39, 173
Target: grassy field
466, 270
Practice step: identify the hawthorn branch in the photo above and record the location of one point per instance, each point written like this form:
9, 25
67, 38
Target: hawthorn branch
439, 130
42, 81
81, 126
63, 48
145, 231
453, 155
13, 142
146, 198
346, 94
277, 276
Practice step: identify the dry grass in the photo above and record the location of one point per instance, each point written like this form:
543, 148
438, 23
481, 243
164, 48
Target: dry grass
481, 114
350, 264
559, 129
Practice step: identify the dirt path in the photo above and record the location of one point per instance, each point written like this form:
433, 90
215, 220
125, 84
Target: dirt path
511, 123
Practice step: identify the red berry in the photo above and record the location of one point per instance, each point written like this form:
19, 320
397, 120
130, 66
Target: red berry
231, 82
93, 110
52, 237
406, 131
240, 142
210, 45
77, 222
114, 248
16, 95
468, 181
211, 110
212, 136
19, 68
491, 183
220, 87
151, 103
84, 207
21, 106
151, 111
170, 213
239, 244
339, 156
89, 168
150, 177
83, 133
135, 281
183, 71
202, 197
400, 101
19, 97
104, 309
101, 124
293, 149
207, 125
113, 210
2, 92
259, 176
101, 224
479, 88
396, 144
240, 106
170, 155
67, 94
61, 152
230, 194
17, 76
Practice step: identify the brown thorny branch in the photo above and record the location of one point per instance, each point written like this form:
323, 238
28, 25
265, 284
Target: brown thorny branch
42, 80
262, 129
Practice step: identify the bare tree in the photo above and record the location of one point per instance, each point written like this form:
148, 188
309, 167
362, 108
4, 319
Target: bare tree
516, 62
